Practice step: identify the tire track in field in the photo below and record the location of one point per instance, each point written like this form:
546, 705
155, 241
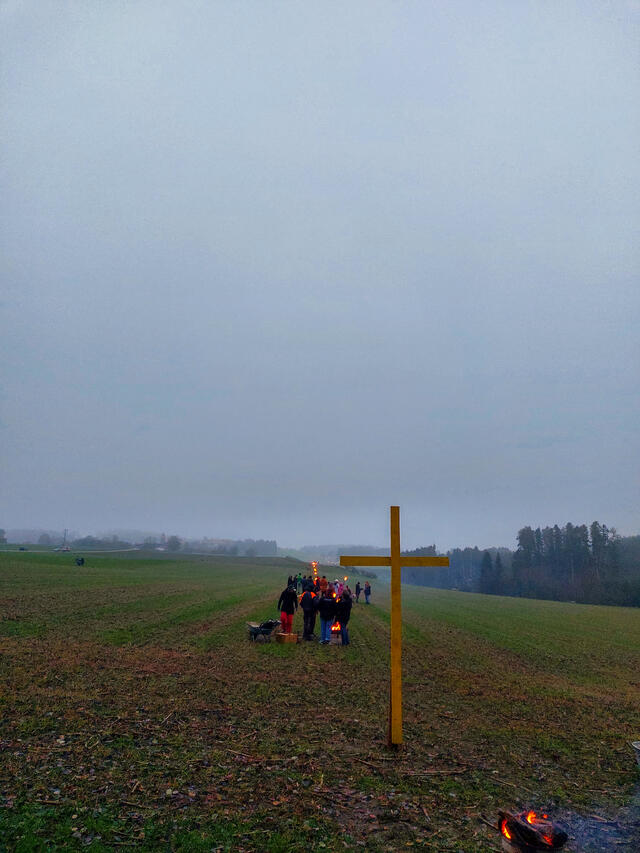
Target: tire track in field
157, 631
214, 631
205, 624
62, 612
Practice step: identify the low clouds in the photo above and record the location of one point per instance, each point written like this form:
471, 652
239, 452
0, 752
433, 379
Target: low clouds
272, 268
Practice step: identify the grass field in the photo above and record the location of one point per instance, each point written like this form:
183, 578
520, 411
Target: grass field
135, 714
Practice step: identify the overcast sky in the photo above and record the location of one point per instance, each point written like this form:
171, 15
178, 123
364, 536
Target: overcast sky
270, 267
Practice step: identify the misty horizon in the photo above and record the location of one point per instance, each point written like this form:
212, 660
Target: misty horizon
135, 536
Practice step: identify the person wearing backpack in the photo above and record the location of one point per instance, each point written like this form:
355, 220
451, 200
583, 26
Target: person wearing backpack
309, 605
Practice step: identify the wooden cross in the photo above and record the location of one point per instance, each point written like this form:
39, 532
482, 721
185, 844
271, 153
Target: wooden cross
396, 561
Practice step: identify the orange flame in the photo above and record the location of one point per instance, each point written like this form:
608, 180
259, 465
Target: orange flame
505, 830
532, 819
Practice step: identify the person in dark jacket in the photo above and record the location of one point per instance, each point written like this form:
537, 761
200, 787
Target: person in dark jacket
343, 612
367, 591
287, 605
358, 591
327, 611
309, 605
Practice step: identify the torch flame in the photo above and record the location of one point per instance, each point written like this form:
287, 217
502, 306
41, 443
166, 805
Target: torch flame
505, 829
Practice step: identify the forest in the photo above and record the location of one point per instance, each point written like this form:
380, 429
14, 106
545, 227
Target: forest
590, 564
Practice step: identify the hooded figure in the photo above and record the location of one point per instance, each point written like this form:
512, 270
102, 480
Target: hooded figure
343, 613
327, 611
287, 605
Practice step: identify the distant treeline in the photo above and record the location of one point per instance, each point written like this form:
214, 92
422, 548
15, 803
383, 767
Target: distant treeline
588, 564
233, 547
124, 539
329, 554
226, 547
110, 543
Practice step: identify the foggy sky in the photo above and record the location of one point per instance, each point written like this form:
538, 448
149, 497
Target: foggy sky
270, 267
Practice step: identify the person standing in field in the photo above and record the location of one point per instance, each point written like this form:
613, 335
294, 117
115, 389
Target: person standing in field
327, 611
343, 612
287, 605
309, 605
323, 584
299, 581
367, 591
358, 591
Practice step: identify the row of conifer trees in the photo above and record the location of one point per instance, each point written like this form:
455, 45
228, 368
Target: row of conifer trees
584, 563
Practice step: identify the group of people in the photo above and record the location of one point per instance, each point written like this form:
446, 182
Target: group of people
331, 600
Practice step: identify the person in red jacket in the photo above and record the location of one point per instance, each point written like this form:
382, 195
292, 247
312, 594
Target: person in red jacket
287, 605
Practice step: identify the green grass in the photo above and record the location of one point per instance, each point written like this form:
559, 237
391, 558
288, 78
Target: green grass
40, 829
585, 640
135, 713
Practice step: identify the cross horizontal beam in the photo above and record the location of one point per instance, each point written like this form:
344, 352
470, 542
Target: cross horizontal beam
409, 562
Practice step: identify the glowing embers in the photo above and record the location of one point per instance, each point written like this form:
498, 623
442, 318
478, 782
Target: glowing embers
529, 831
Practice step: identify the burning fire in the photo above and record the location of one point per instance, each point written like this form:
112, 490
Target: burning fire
530, 830
336, 628
504, 829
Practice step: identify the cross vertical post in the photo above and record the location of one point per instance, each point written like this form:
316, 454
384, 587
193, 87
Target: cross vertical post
395, 698
396, 561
